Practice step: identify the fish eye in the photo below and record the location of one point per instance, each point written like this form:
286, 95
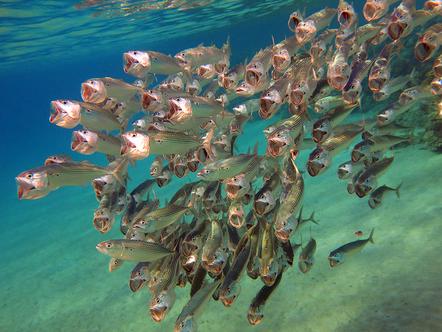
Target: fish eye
135, 52
64, 102
134, 135
108, 245
157, 300
29, 175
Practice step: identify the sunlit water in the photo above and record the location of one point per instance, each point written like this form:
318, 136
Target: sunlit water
52, 277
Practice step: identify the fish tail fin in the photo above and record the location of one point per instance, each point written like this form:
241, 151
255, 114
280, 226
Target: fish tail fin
226, 46
255, 150
118, 169
312, 218
398, 194
370, 237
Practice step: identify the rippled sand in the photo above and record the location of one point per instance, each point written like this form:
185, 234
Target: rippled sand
53, 279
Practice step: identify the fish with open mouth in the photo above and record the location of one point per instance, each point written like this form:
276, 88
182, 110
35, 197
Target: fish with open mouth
394, 85
338, 71
405, 18
428, 43
203, 55
255, 313
266, 197
320, 159
321, 44
97, 90
306, 29
136, 145
274, 97
338, 255
376, 9
323, 128
239, 185
284, 136
366, 181
38, 182
186, 108
142, 63
257, 69
88, 142
229, 80
375, 144
245, 89
346, 15
282, 54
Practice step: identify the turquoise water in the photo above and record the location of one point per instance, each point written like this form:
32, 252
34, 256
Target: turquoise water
53, 278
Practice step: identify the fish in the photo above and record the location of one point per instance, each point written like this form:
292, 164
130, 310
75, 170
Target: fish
338, 255
186, 320
230, 167
415, 94
284, 135
307, 28
245, 89
257, 69
328, 103
290, 201
376, 9
136, 145
88, 142
429, 43
202, 55
378, 194
185, 108
165, 177
255, 313
320, 159
347, 16
230, 79
375, 144
323, 128
391, 113
39, 182
58, 159
437, 67
320, 44
306, 259
141, 63
159, 218
97, 90
266, 197
394, 85
283, 52
274, 97
366, 181
348, 168
129, 250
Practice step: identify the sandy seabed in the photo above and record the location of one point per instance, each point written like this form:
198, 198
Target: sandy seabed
53, 279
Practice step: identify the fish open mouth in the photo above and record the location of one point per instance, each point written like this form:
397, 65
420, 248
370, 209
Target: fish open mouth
350, 97
158, 313
202, 71
174, 108
356, 155
437, 68
87, 91
297, 96
294, 21
436, 87
319, 135
338, 82
283, 234
236, 220
232, 190
102, 224
345, 18
266, 105
162, 181
376, 84
126, 146
332, 261
23, 189
423, 51
56, 112
180, 170
370, 12
261, 207
254, 318
343, 173
275, 147
147, 99
78, 141
193, 165
129, 61
396, 29
280, 62
252, 77
382, 120
362, 190
314, 168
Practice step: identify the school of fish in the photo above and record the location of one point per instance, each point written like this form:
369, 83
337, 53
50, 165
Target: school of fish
240, 215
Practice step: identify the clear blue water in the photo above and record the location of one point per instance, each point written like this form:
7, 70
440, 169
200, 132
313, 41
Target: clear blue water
52, 277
